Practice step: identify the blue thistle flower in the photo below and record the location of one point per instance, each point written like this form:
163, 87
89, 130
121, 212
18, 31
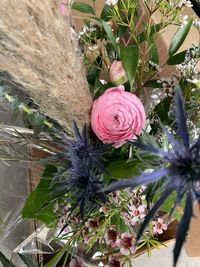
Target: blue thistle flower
181, 167
79, 174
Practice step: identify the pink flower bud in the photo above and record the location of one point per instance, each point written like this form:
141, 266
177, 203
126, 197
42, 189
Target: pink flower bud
118, 74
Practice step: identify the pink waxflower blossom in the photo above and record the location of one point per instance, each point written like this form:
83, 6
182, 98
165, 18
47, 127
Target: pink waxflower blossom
114, 263
77, 263
87, 239
111, 237
91, 224
117, 116
126, 243
159, 226
118, 74
137, 213
115, 196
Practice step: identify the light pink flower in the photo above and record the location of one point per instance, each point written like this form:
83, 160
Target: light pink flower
115, 196
111, 237
117, 116
126, 242
159, 226
77, 263
137, 213
86, 240
118, 74
91, 224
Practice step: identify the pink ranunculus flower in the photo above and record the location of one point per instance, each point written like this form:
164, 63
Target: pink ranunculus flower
118, 74
117, 116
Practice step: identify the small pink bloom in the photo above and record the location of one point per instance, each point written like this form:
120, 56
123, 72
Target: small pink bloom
114, 263
138, 213
111, 237
86, 240
77, 263
126, 242
115, 197
118, 74
159, 226
104, 209
117, 116
91, 224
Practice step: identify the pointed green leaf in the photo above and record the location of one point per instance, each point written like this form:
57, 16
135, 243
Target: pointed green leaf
111, 36
130, 59
153, 84
34, 206
153, 51
177, 58
82, 7
179, 37
106, 14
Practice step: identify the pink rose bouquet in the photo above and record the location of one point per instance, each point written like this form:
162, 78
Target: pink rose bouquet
117, 116
118, 74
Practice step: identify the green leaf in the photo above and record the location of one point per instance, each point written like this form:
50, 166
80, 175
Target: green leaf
154, 29
82, 7
55, 260
179, 37
177, 58
123, 169
5, 262
106, 14
153, 84
153, 52
111, 36
130, 59
27, 260
35, 204
162, 109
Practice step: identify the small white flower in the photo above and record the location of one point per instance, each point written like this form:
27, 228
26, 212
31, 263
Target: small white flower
155, 66
111, 2
185, 20
186, 3
196, 24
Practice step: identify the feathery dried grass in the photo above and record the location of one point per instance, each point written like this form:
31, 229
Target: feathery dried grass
37, 48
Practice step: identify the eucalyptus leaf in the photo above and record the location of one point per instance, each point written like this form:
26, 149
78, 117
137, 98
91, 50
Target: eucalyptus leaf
82, 7
179, 37
130, 59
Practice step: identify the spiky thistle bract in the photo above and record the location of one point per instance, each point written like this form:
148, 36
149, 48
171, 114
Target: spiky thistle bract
180, 166
79, 172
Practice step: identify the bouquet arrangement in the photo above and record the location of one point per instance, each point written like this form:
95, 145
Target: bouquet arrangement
113, 187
